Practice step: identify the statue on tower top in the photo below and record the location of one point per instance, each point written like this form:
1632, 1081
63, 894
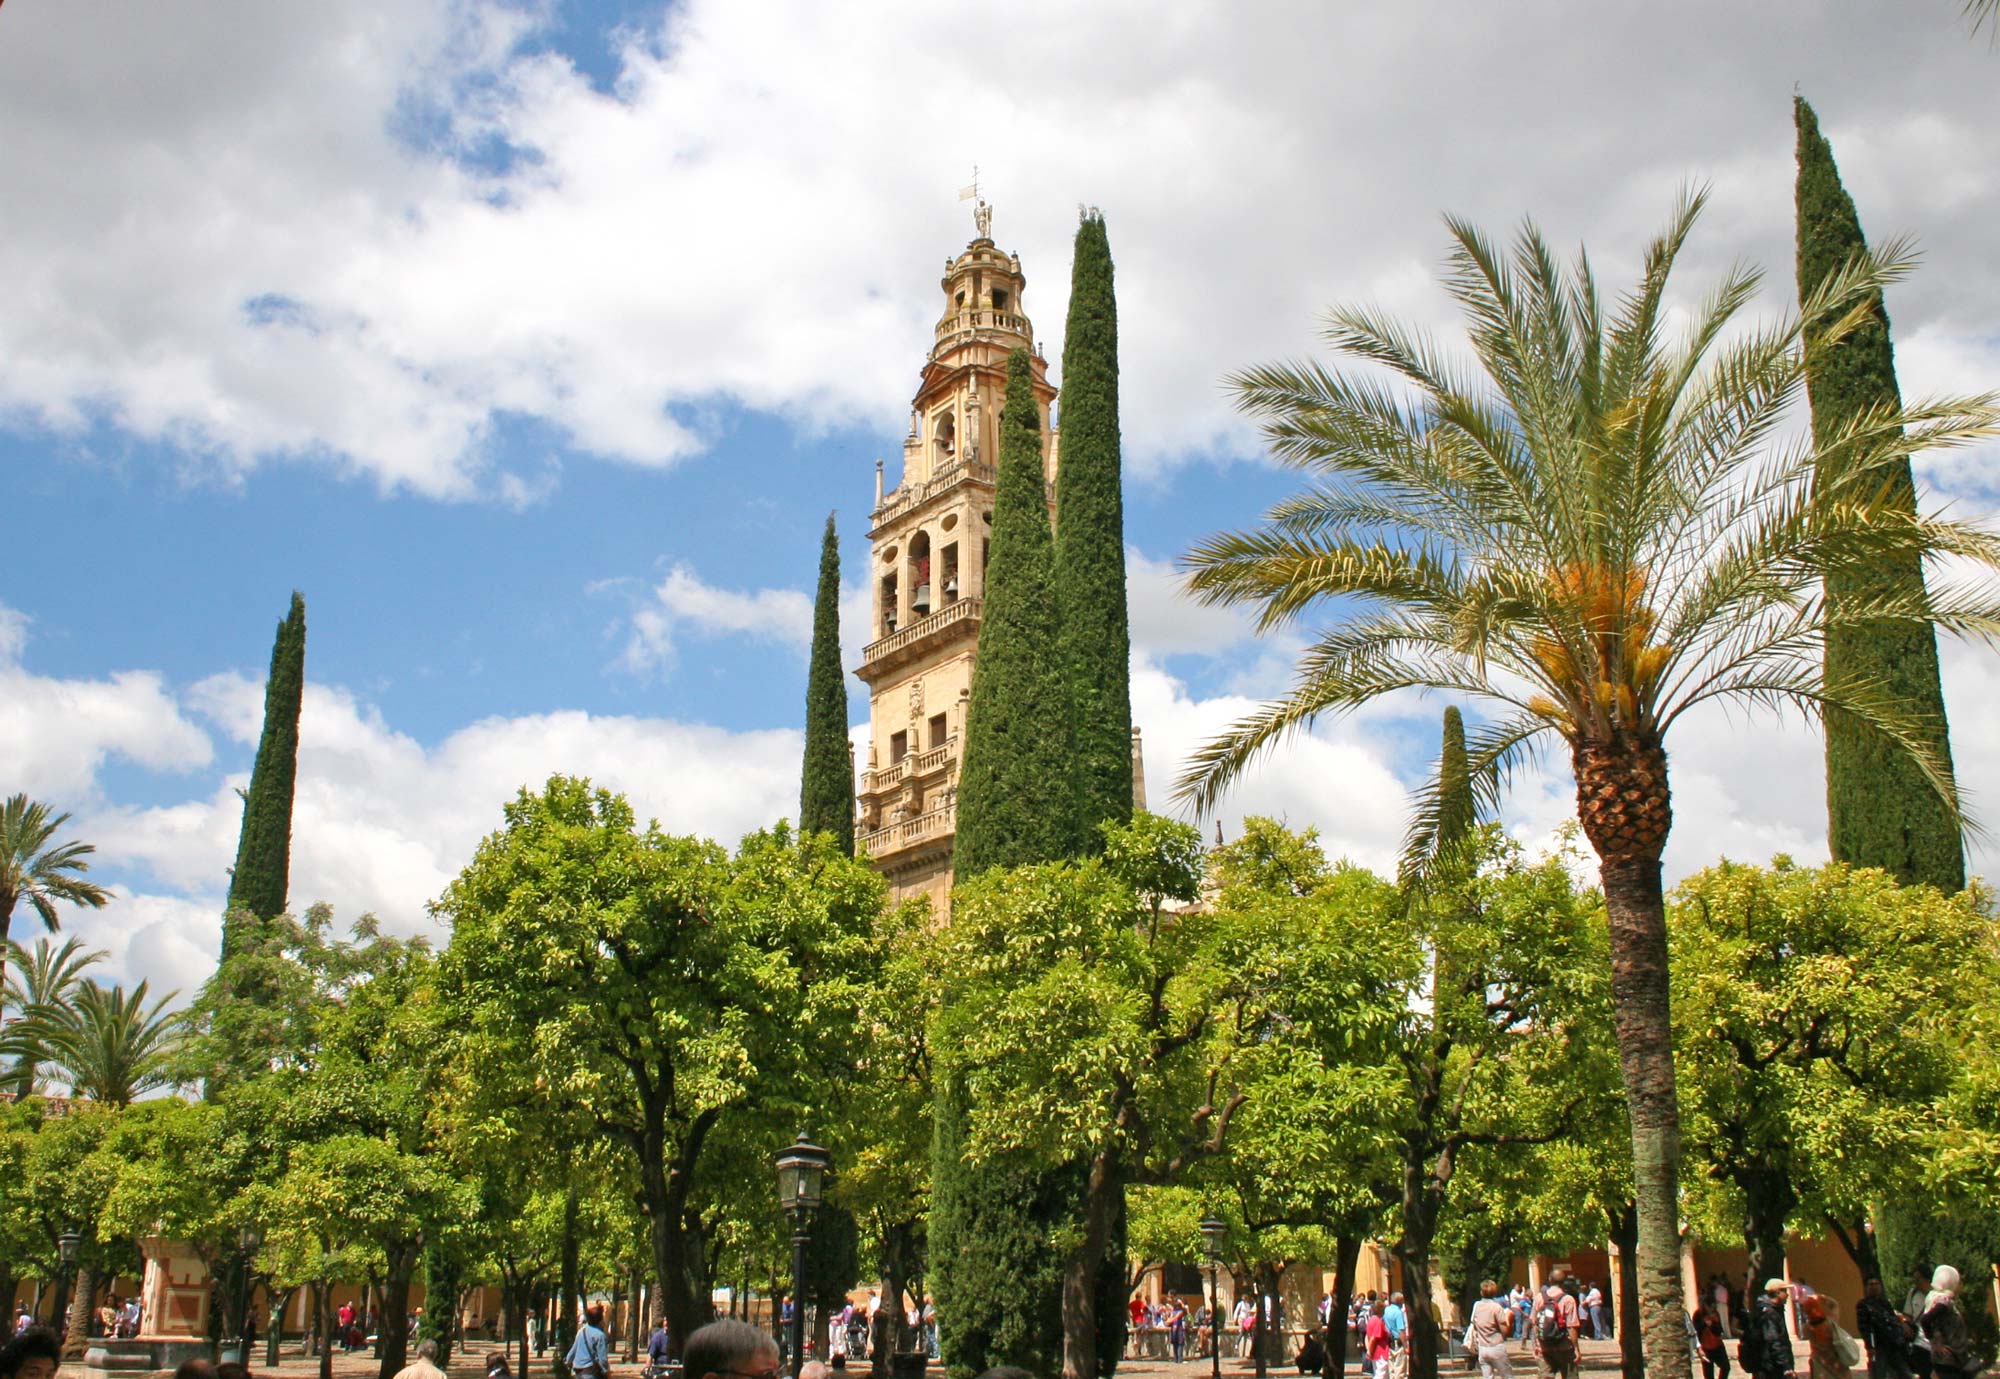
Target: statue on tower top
982, 214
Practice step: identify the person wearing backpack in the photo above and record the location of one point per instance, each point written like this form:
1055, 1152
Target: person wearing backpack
1765, 1351
1556, 1326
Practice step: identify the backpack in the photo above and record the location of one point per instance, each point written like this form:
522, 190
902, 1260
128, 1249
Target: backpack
1551, 1331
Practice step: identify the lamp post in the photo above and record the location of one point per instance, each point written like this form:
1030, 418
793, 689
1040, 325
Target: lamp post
250, 1238
76, 1313
1214, 1235
801, 1173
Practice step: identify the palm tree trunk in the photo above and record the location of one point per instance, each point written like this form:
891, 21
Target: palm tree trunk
82, 1303
1625, 806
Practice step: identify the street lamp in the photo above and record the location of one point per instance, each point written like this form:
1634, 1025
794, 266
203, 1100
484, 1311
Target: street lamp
250, 1238
801, 1173
69, 1245
1214, 1235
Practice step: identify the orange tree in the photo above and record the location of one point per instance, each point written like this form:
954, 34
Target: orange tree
1599, 528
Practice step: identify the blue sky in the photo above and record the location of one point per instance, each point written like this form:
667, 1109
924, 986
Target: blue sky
533, 343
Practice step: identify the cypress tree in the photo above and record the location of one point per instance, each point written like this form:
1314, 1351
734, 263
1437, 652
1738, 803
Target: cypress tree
993, 1263
262, 876
826, 791
1880, 811
1090, 541
1456, 812
1016, 797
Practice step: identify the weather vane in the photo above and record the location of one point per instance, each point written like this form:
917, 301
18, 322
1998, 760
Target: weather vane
982, 214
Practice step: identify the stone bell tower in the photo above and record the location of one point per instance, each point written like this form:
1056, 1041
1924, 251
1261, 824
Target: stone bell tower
927, 567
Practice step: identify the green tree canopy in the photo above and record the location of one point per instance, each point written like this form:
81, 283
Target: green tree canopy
655, 985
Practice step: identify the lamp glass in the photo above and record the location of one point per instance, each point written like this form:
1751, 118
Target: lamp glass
69, 1244
801, 1175
1214, 1235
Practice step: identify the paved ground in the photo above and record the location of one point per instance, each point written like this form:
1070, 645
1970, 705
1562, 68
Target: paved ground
470, 1363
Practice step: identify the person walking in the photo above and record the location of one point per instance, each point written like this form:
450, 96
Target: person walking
1708, 1340
1944, 1327
1556, 1328
589, 1354
1246, 1327
1376, 1347
1833, 1352
1593, 1310
1766, 1347
1492, 1322
1884, 1331
659, 1347
1398, 1322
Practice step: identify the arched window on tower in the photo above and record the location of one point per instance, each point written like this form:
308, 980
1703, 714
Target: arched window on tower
920, 574
944, 443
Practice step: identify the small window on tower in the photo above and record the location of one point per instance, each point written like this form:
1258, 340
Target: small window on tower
899, 747
999, 299
939, 730
959, 300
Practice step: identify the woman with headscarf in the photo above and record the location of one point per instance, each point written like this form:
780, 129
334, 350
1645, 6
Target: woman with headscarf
1833, 1350
1944, 1328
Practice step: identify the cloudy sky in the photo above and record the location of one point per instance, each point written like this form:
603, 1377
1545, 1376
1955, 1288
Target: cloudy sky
533, 342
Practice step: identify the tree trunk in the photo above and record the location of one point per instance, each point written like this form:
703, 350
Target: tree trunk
680, 1271
1858, 1240
323, 1324
9, 1285
1422, 1196
275, 1326
1625, 1231
1625, 806
895, 1273
76, 1338
1346, 1254
393, 1319
1263, 1283
1083, 1268
1768, 1200
568, 1279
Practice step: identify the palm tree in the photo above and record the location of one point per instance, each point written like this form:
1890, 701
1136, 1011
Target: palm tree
1593, 534
33, 870
39, 981
110, 1046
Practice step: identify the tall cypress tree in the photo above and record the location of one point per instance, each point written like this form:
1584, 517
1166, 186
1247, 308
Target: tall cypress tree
1880, 811
1456, 812
1016, 797
1090, 541
826, 790
262, 876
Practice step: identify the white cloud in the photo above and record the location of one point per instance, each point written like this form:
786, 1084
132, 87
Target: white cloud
683, 602
55, 734
754, 212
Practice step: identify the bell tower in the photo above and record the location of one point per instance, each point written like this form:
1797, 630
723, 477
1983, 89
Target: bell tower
927, 567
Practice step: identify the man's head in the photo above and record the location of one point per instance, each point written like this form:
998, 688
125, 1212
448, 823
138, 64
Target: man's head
232, 1369
812, 1369
659, 1323
195, 1367
1488, 1288
595, 1312
730, 1349
1777, 1287
1396, 1298
427, 1351
34, 1354
1558, 1274
1872, 1286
